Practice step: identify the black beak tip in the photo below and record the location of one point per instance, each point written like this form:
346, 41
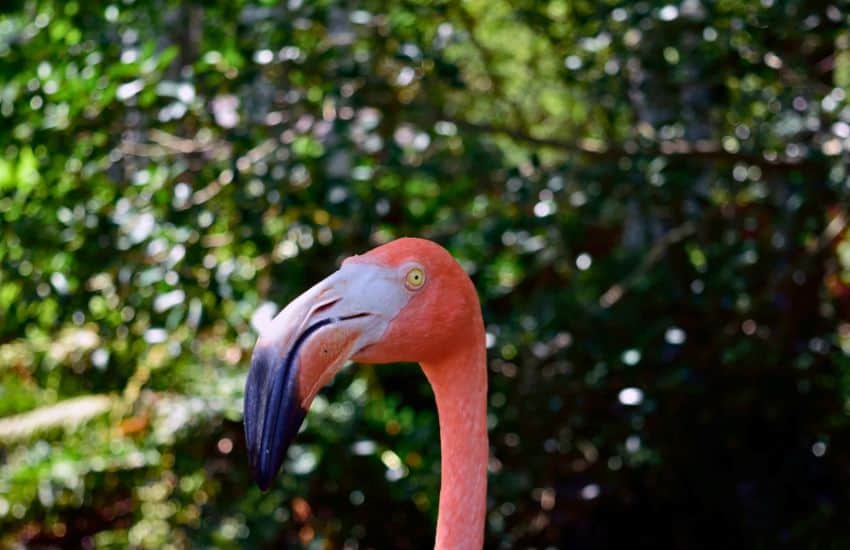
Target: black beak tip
268, 455
263, 471
272, 413
264, 479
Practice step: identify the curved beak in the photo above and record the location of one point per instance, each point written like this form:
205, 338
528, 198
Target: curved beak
301, 350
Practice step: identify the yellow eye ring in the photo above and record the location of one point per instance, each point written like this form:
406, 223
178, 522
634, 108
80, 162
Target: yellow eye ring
414, 279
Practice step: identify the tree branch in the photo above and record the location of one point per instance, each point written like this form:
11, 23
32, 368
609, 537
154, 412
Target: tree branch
701, 150
659, 248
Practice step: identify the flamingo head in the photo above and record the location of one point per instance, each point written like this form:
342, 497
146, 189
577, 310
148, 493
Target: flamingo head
405, 301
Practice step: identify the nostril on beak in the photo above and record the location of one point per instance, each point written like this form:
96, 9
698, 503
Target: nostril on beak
325, 306
354, 316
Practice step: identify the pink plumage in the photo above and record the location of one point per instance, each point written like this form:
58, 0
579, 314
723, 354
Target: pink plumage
407, 300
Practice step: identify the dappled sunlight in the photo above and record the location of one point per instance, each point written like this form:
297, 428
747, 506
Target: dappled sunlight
651, 199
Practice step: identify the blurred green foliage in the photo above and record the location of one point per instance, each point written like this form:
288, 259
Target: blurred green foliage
651, 198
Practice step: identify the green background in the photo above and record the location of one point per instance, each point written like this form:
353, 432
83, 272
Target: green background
651, 199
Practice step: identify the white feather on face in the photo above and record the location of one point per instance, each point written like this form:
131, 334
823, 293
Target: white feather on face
375, 292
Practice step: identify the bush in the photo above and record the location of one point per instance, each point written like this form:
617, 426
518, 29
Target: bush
651, 199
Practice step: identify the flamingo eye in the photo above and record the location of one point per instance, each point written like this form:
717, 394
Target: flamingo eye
414, 279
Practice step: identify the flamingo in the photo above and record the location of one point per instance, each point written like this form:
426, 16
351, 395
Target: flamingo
405, 301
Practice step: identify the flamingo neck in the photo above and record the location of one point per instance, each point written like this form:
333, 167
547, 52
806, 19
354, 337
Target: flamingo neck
460, 390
